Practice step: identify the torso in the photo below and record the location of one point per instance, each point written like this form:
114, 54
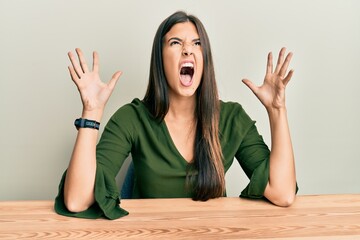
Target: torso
161, 149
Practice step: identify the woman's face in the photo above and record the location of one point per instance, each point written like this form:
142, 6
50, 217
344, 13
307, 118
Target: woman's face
182, 60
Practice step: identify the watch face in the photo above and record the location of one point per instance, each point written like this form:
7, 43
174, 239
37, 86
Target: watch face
89, 124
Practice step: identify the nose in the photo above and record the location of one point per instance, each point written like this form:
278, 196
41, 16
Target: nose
187, 51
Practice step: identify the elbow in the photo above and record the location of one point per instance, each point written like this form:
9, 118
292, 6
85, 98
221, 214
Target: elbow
76, 201
280, 197
74, 208
74, 205
284, 200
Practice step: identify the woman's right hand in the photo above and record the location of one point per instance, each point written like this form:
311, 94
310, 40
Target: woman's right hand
94, 93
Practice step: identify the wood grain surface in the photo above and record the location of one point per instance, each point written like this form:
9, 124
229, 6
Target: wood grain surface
310, 217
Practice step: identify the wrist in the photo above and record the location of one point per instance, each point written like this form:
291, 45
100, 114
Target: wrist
95, 115
276, 113
276, 110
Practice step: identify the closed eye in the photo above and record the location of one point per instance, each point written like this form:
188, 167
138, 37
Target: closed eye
197, 43
174, 43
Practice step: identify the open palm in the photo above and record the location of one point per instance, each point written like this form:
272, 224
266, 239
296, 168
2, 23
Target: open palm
94, 93
272, 92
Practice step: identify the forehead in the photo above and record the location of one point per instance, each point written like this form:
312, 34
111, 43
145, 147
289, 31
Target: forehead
185, 30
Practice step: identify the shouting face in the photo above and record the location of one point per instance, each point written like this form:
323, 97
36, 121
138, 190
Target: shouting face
183, 60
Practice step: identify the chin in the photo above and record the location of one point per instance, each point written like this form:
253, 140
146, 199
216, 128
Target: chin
188, 91
188, 94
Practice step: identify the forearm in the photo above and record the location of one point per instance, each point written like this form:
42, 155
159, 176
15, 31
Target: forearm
80, 177
282, 178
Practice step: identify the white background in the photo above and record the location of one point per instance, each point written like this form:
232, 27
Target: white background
39, 102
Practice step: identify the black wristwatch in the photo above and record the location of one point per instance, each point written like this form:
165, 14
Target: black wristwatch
86, 123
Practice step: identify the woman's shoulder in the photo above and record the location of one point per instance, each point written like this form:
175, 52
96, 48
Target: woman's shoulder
233, 111
132, 111
133, 107
230, 107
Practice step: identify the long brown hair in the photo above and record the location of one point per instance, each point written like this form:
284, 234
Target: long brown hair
206, 172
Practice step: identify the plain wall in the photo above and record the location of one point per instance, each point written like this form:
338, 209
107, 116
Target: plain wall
39, 102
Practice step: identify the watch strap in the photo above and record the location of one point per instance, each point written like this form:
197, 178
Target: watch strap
86, 123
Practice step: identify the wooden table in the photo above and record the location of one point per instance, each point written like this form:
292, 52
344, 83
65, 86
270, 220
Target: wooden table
310, 217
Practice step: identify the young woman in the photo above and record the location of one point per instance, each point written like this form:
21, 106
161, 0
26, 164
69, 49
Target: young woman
182, 138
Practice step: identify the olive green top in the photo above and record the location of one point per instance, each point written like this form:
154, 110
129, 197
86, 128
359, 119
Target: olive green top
160, 170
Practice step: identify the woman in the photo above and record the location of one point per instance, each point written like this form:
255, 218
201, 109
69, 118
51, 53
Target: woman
181, 136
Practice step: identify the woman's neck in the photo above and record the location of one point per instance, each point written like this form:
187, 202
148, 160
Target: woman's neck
182, 108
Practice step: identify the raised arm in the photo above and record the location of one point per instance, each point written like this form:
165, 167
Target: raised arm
281, 187
80, 176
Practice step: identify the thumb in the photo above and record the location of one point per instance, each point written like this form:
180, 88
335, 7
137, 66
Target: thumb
250, 85
114, 79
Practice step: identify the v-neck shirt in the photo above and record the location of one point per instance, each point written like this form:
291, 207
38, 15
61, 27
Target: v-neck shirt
160, 169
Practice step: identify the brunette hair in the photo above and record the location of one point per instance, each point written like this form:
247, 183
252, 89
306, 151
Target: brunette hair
206, 172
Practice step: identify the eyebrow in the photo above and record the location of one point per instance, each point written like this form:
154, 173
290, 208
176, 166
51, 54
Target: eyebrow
180, 40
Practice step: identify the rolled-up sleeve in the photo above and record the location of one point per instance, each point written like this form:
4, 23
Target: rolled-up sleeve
106, 203
253, 156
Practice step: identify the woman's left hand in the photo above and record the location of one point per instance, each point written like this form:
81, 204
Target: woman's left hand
272, 92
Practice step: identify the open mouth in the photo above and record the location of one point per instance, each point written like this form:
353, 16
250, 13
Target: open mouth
186, 74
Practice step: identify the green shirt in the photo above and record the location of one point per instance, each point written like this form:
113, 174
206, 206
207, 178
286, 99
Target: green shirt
160, 170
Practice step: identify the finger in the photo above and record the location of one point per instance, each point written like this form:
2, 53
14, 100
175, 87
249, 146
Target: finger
95, 62
114, 80
73, 74
285, 66
288, 77
269, 67
280, 60
250, 85
75, 65
81, 57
